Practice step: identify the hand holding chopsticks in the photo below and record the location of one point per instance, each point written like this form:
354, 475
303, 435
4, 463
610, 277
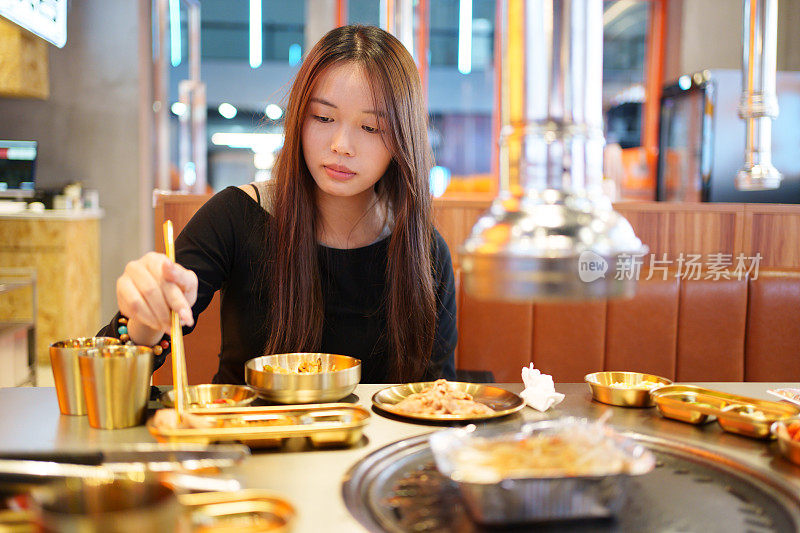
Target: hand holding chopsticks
178, 358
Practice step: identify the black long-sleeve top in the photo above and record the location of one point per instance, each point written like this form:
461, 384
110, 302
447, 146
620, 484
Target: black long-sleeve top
224, 245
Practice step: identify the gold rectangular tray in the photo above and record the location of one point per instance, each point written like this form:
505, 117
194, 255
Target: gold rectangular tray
736, 414
329, 424
243, 511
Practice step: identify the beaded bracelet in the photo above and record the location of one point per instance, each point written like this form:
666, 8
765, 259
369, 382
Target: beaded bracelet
158, 349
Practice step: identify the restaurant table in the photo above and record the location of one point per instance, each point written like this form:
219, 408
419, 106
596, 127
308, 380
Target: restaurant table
312, 479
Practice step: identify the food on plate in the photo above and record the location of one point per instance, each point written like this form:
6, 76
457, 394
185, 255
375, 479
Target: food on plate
306, 367
755, 413
442, 398
572, 451
256, 420
219, 402
167, 419
645, 385
793, 430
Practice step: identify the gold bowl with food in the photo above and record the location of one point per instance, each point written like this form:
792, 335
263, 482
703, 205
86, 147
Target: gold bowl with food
625, 389
788, 434
210, 396
303, 377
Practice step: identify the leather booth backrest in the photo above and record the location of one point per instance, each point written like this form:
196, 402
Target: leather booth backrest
683, 329
772, 345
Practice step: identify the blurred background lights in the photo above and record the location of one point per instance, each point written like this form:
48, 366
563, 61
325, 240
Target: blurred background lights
440, 179
273, 112
295, 54
179, 108
263, 160
227, 110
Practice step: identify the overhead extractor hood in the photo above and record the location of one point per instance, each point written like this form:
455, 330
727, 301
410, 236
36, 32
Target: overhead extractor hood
551, 233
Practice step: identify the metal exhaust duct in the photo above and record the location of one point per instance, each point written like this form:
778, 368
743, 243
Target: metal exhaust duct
759, 104
551, 234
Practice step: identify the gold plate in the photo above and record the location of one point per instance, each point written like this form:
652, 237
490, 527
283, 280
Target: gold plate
629, 395
243, 511
502, 401
750, 417
331, 424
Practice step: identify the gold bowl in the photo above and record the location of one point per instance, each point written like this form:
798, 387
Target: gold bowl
788, 447
275, 377
625, 389
118, 505
212, 396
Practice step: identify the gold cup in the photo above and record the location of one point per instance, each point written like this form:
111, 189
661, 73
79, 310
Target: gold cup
67, 374
116, 384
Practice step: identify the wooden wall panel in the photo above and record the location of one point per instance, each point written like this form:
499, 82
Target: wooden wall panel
672, 229
23, 63
454, 218
774, 232
65, 252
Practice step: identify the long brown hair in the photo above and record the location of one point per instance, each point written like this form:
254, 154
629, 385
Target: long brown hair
296, 306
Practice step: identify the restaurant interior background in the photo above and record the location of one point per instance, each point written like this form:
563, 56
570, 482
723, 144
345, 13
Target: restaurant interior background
96, 118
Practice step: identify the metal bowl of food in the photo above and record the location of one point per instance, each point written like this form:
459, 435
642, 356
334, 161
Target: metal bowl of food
210, 396
303, 377
788, 434
563, 469
625, 389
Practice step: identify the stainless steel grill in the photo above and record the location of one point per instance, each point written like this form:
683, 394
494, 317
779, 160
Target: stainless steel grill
397, 488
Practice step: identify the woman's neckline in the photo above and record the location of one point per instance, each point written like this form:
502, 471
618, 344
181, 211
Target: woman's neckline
385, 235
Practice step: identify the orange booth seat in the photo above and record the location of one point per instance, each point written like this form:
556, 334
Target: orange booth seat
684, 329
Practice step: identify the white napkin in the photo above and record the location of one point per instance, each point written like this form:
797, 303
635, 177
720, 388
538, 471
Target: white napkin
540, 391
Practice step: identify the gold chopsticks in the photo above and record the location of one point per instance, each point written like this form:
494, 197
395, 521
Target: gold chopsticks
178, 359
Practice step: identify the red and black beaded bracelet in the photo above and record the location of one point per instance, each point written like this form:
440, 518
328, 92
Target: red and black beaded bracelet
124, 337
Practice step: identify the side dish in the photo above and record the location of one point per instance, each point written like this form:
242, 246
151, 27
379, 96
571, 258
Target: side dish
442, 398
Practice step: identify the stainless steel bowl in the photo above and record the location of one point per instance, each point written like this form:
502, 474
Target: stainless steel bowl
208, 396
339, 377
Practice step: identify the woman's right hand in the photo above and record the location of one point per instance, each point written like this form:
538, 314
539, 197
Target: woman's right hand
151, 287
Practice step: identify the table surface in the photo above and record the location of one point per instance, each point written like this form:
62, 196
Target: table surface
312, 480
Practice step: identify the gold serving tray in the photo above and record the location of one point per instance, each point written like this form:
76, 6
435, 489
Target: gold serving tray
243, 511
736, 414
330, 424
502, 401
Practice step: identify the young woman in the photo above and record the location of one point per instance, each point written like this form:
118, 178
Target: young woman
338, 253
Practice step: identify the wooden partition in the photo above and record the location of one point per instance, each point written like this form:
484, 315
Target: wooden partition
671, 228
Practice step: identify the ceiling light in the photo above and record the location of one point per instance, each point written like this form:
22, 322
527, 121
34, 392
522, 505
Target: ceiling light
227, 110
179, 108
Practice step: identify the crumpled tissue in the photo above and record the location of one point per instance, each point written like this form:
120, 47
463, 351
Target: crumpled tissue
540, 391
